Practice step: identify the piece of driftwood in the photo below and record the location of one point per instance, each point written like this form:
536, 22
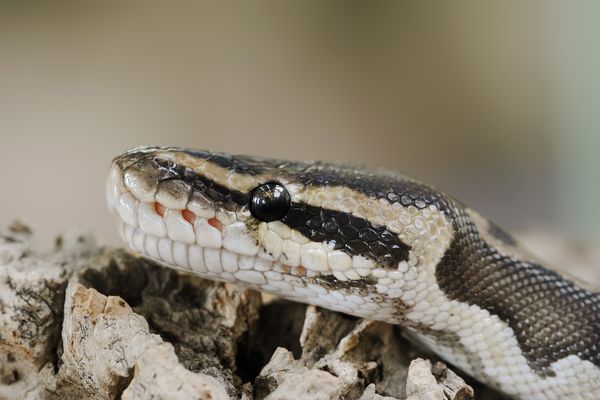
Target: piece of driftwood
90, 322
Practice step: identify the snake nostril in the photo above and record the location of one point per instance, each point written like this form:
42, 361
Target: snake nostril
160, 209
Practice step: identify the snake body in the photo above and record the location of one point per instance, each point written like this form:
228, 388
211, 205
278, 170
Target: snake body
370, 243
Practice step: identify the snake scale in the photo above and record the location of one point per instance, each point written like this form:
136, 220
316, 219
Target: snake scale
370, 243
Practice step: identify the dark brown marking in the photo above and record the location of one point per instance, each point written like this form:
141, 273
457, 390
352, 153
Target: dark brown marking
551, 317
353, 235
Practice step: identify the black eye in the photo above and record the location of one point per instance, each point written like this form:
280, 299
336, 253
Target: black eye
269, 201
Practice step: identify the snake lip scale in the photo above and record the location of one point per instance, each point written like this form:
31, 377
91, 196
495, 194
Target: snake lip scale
370, 243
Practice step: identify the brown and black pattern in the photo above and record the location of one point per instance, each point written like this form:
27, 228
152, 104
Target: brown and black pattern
551, 317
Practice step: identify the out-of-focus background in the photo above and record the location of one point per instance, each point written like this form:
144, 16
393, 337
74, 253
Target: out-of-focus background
497, 103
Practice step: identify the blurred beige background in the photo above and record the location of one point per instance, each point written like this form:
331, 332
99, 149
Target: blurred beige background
496, 103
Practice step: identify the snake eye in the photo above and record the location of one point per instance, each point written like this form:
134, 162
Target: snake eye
269, 201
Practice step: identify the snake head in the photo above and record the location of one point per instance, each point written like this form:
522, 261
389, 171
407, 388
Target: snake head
307, 231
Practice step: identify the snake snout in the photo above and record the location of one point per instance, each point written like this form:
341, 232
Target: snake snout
158, 212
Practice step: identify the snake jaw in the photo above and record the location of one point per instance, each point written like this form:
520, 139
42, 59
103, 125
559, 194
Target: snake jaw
193, 215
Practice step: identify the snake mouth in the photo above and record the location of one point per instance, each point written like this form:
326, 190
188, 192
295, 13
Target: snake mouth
191, 237
182, 239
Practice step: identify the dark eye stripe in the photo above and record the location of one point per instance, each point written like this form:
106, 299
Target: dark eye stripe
353, 235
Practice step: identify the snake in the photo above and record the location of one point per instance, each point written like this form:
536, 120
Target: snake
371, 243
